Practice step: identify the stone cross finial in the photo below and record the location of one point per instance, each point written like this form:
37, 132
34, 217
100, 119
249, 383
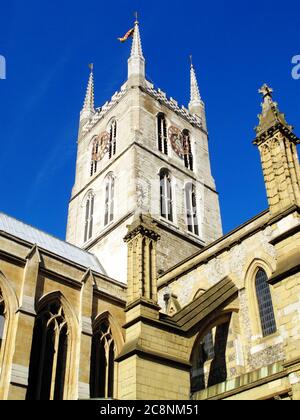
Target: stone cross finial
265, 90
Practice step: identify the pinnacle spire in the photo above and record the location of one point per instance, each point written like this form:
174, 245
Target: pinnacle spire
196, 105
89, 106
136, 49
270, 115
195, 93
136, 62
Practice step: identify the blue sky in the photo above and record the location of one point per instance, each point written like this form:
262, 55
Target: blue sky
237, 46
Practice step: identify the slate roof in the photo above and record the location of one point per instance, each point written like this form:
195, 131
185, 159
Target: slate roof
48, 242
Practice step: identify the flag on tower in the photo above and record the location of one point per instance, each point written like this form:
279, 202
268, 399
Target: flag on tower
127, 35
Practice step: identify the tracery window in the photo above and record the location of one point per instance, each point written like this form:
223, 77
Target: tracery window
166, 195
102, 362
48, 354
89, 217
187, 150
162, 136
191, 209
109, 199
113, 139
265, 305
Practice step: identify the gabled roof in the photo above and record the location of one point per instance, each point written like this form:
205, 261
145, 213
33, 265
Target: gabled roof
213, 299
47, 242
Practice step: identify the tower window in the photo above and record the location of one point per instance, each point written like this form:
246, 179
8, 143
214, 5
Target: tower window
162, 134
89, 215
94, 162
166, 199
265, 305
112, 140
48, 355
187, 150
109, 199
102, 363
191, 209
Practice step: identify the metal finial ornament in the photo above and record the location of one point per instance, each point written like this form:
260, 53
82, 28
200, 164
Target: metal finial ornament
136, 17
91, 66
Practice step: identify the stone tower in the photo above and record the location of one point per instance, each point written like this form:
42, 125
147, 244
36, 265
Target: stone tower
278, 149
140, 153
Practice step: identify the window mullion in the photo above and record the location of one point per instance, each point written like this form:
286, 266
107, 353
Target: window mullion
54, 365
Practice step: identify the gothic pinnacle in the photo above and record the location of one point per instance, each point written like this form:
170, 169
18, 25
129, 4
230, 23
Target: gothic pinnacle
196, 104
89, 106
136, 62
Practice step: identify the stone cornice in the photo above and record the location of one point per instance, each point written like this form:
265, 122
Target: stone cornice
278, 127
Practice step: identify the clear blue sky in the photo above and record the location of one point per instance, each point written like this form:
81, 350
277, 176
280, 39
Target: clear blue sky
237, 46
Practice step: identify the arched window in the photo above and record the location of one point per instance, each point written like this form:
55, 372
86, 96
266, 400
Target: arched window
265, 305
187, 150
113, 139
48, 354
109, 199
166, 199
209, 364
191, 209
2, 326
95, 151
162, 136
89, 214
102, 362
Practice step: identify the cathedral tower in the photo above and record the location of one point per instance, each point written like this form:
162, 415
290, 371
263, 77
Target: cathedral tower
140, 153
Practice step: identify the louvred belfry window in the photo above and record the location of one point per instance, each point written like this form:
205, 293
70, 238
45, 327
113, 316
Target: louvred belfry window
95, 151
112, 150
187, 150
162, 135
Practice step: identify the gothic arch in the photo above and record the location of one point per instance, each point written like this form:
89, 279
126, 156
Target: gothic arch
111, 121
7, 349
106, 345
73, 339
93, 138
115, 328
267, 264
86, 195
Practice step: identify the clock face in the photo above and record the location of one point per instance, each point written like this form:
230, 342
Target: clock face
100, 146
175, 137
